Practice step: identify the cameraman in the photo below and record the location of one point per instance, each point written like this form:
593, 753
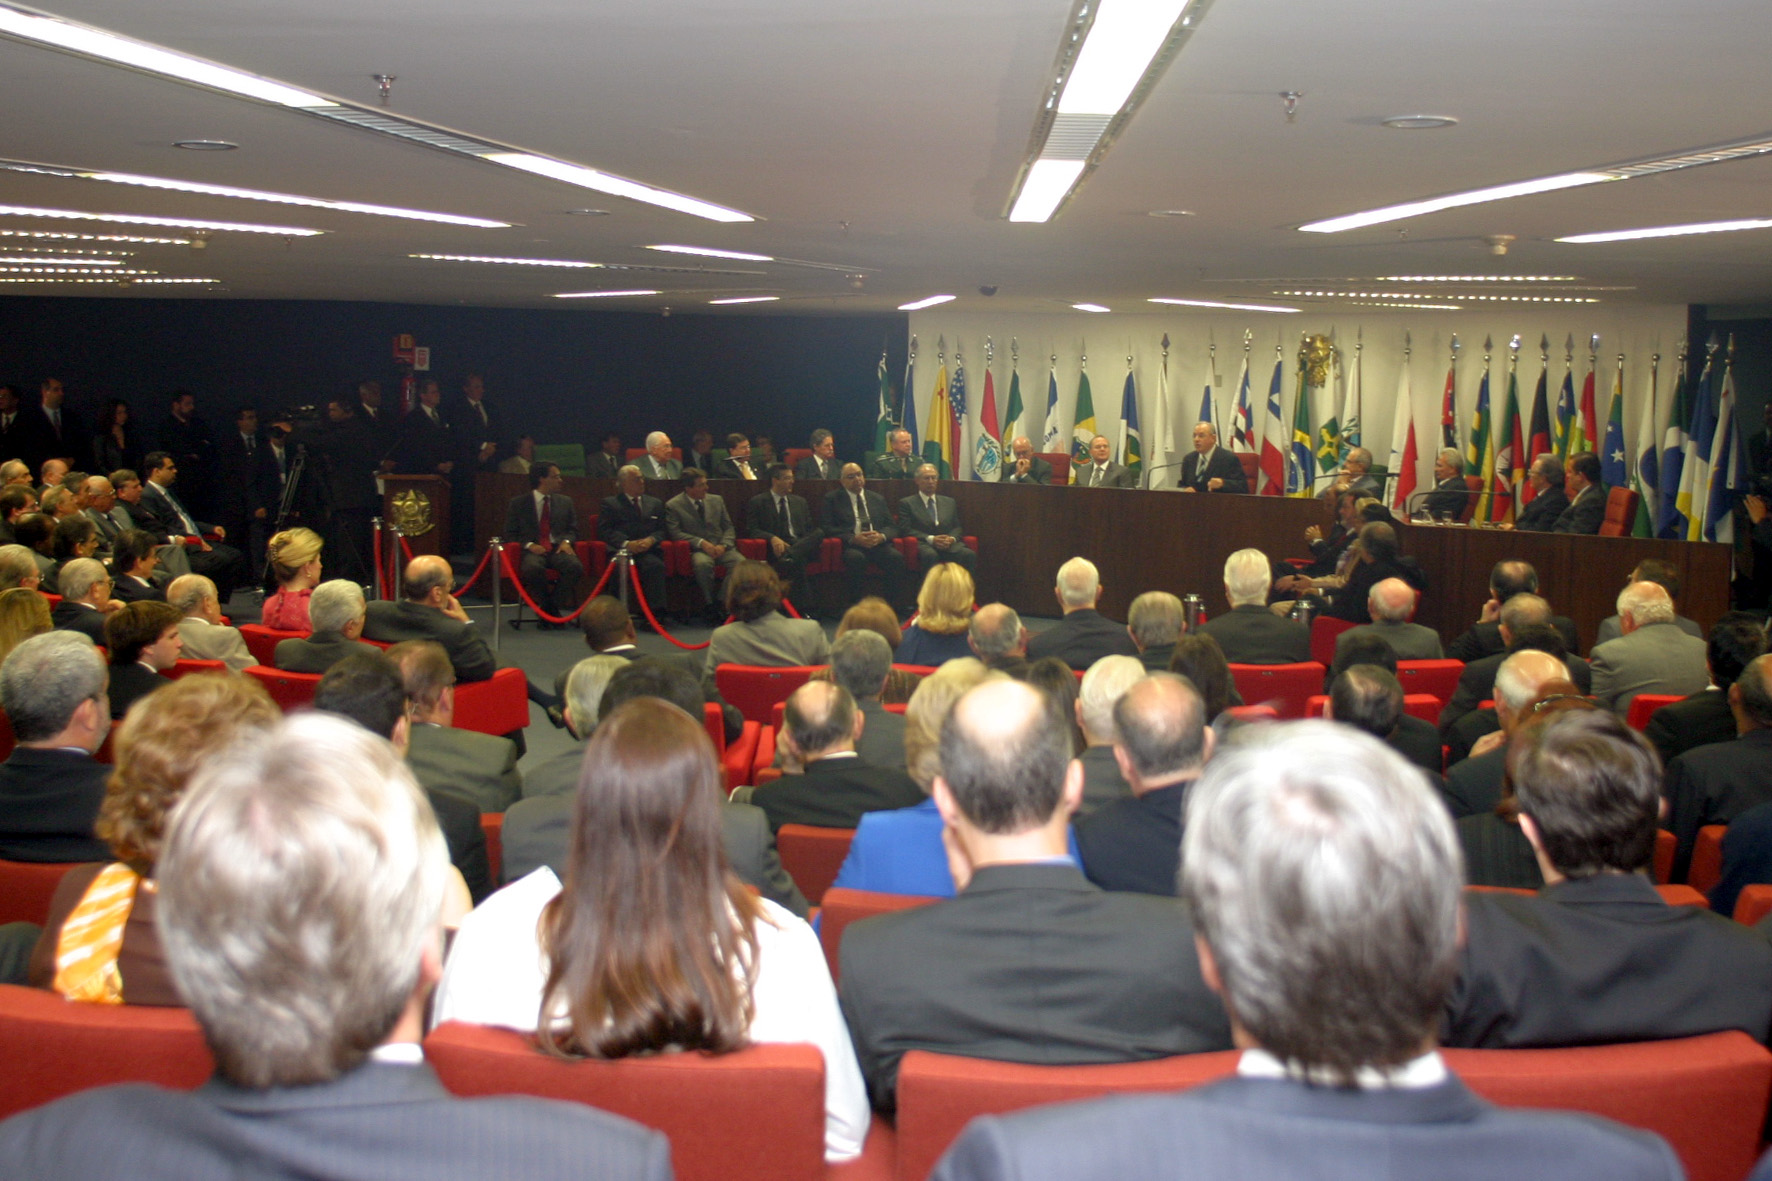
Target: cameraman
349, 457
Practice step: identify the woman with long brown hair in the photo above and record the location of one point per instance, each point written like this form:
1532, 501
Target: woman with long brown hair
652, 944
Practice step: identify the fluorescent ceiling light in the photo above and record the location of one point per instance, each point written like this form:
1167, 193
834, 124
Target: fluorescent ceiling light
82, 269
63, 236
1707, 227
598, 294
185, 186
1046, 185
1478, 278
46, 260
603, 182
1090, 307
748, 299
144, 220
1411, 295
1418, 307
711, 253
1124, 37
82, 39
1373, 217
177, 280
1236, 307
920, 304
526, 262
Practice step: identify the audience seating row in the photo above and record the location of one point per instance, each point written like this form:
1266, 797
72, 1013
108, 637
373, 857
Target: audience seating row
499, 705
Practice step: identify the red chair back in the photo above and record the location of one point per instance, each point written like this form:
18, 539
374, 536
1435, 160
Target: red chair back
1753, 903
1061, 465
1253, 713
793, 455
1643, 707
1472, 485
1706, 869
842, 906
55, 1047
1251, 468
1286, 687
1325, 630
1417, 705
1666, 844
939, 1094
493, 825
291, 691
496, 706
753, 1115
26, 888
1438, 677
737, 757
184, 668
8, 739
262, 641
754, 689
812, 856
1621, 512
1705, 1095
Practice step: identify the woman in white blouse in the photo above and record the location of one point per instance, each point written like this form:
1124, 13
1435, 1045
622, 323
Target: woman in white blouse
648, 893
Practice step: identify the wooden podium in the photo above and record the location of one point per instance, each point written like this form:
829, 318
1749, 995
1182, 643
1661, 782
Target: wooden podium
418, 506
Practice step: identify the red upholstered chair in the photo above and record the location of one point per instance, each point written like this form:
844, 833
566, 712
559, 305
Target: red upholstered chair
1286, 687
793, 455
184, 668
1253, 713
1251, 468
55, 1047
1061, 465
913, 561
842, 906
1472, 484
1325, 630
1438, 677
1621, 512
1753, 903
262, 641
812, 856
26, 888
290, 691
754, 689
1417, 705
592, 555
1677, 895
1662, 862
1643, 707
753, 1115
1706, 869
493, 825
1705, 1095
8, 739
736, 759
939, 1094
495, 706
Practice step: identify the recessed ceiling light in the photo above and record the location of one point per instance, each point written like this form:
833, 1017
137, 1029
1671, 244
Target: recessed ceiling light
748, 299
1477, 278
920, 304
176, 280
144, 220
1709, 227
1172, 213
1419, 122
599, 294
712, 253
205, 145
1090, 307
1209, 303
64, 236
524, 262
604, 182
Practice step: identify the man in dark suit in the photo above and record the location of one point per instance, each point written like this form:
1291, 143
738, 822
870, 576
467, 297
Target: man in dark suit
429, 611
1161, 744
635, 522
606, 461
934, 520
658, 463
426, 446
379, 421
220, 562
1250, 633
16, 439
896, 462
862, 521
1524, 621
1023, 466
1029, 962
701, 453
699, 517
1450, 495
1474, 785
1378, 558
860, 662
52, 687
1155, 622
1483, 638
101, 509
998, 638
737, 465
1083, 635
549, 548
1391, 603
1354, 481
86, 599
56, 430
1706, 716
1548, 498
1597, 957
537, 829
1101, 471
1210, 468
1335, 987
481, 767
822, 724
1716, 783
336, 612
185, 436
1368, 697
477, 437
321, 834
822, 463
1587, 496
349, 449
785, 522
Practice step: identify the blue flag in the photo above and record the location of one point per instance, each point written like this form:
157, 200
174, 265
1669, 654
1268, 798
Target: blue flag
1672, 523
1613, 467
1049, 439
1132, 441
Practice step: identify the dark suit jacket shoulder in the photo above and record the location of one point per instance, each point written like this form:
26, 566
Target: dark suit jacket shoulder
618, 522
834, 793
1586, 512
391, 623
1135, 843
1698, 720
315, 654
1224, 465
88, 621
1081, 638
1251, 634
1039, 471
48, 803
1541, 515
482, 767
1713, 785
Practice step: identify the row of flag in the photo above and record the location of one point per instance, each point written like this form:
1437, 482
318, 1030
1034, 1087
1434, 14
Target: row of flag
1689, 468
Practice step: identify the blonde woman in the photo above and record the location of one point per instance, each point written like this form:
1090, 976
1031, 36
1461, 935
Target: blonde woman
23, 613
944, 615
295, 561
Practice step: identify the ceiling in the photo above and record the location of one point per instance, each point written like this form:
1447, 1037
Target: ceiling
883, 139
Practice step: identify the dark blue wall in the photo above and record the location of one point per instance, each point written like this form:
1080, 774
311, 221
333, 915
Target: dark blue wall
560, 375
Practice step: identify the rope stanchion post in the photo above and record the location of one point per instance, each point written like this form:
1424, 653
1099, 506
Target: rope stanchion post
493, 549
626, 561
396, 569
380, 573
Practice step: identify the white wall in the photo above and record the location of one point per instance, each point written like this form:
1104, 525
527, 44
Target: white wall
1637, 331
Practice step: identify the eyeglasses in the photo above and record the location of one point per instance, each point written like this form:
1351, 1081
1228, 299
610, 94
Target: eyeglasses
1541, 703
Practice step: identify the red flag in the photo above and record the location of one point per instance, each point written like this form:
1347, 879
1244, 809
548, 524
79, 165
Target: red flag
987, 414
1539, 440
1449, 412
1589, 424
1411, 461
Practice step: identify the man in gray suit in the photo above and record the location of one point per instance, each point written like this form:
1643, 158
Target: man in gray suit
699, 517
860, 662
1664, 574
1652, 656
1391, 603
336, 611
934, 520
101, 509
1334, 982
481, 767
204, 634
658, 464
537, 829
1101, 471
299, 893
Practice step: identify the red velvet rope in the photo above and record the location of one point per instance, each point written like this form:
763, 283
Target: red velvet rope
472, 578
380, 568
646, 609
523, 592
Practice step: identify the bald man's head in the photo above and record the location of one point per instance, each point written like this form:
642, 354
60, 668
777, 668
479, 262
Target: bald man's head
1519, 681
1391, 601
1004, 752
425, 576
820, 719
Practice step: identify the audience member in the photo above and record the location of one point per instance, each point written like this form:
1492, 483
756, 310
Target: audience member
1162, 743
145, 641
1379, 558
52, 688
100, 942
860, 662
1518, 613
86, 600
295, 564
820, 726
659, 463
1714, 784
1083, 635
939, 633
759, 633
1391, 604
1705, 717
1663, 574
479, 767
822, 463
1496, 851
1596, 957
36, 532
169, 520
606, 460
1155, 621
1474, 785
23, 613
997, 637
1098, 694
1369, 698
1324, 882
896, 462
784, 522
1063, 687
135, 562
633, 523
1250, 633
652, 943
1030, 962
876, 615
427, 610
1652, 656
337, 612
580, 693
1202, 662
204, 634
18, 568
738, 464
